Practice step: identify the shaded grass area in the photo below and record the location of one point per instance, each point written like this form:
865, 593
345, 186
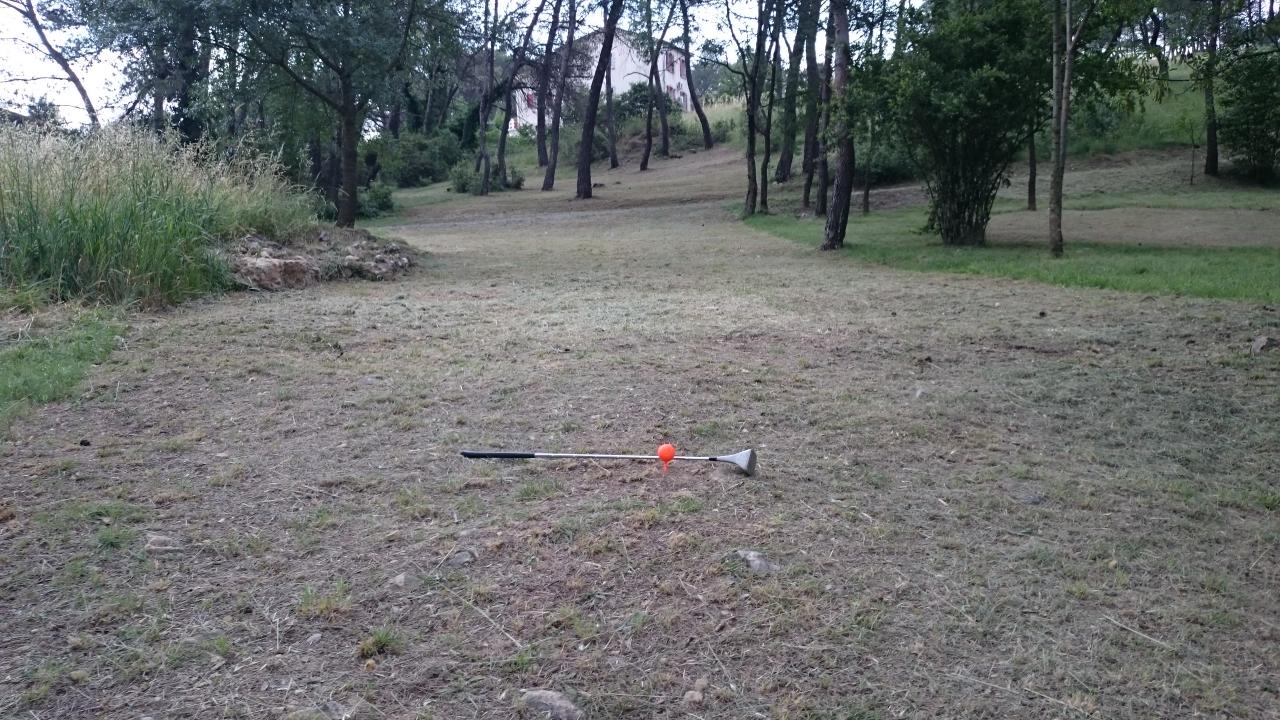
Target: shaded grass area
1174, 119
49, 368
894, 238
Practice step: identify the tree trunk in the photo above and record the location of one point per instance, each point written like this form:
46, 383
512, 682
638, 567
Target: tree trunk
789, 102
648, 126
841, 131
549, 180
1210, 77
754, 86
611, 125
688, 78
811, 91
1031, 172
544, 84
775, 68
867, 154
482, 160
662, 99
500, 171
1061, 91
593, 99
820, 157
348, 199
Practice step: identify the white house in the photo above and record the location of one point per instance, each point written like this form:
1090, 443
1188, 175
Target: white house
628, 67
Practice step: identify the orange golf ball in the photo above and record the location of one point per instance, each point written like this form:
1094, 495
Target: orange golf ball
666, 452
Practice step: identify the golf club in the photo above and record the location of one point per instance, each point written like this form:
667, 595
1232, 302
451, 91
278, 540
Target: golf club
745, 460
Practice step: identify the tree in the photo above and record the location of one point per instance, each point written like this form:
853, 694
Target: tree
344, 54
964, 88
840, 130
1092, 25
566, 59
791, 91
593, 99
750, 68
688, 78
811, 94
30, 14
544, 84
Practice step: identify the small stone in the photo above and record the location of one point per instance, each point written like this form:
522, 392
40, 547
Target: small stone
78, 676
314, 638
1262, 344
77, 642
1033, 498
701, 684
554, 704
393, 536
757, 562
85, 443
370, 664
161, 544
463, 557
399, 580
693, 697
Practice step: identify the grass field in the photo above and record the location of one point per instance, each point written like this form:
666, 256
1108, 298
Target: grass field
978, 498
894, 238
50, 365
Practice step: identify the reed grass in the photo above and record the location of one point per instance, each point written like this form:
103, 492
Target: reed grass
122, 215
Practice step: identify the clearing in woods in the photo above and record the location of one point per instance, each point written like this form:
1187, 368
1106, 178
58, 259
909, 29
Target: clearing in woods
984, 498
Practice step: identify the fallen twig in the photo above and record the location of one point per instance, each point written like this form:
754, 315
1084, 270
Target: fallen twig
1137, 632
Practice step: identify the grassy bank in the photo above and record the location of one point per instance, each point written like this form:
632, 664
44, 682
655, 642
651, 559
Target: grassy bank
50, 367
124, 216
893, 238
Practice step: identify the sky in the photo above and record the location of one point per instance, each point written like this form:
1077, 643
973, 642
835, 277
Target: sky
20, 62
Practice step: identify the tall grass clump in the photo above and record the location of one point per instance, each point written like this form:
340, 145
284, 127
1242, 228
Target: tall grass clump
122, 215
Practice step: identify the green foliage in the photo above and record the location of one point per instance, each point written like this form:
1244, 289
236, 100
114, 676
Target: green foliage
963, 97
413, 160
891, 238
464, 179
376, 201
122, 215
515, 178
1249, 118
50, 368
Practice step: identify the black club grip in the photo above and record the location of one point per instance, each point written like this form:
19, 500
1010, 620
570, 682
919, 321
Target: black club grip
495, 454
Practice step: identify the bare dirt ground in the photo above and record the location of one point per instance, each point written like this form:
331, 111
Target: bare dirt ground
984, 498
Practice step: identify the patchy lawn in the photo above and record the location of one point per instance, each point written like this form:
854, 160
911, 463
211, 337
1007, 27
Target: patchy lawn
1216, 252
984, 497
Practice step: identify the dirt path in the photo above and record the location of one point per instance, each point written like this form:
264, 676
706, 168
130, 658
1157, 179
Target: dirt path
985, 498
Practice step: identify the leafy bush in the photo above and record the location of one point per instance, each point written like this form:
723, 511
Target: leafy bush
413, 160
464, 179
375, 201
121, 215
973, 72
515, 178
1249, 119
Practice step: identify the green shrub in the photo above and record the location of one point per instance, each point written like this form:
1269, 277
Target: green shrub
413, 160
121, 215
1249, 119
464, 179
375, 201
515, 178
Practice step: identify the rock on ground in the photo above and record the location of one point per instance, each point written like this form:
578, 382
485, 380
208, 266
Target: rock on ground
1262, 344
258, 263
552, 704
757, 562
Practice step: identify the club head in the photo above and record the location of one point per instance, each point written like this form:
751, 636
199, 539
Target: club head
745, 460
